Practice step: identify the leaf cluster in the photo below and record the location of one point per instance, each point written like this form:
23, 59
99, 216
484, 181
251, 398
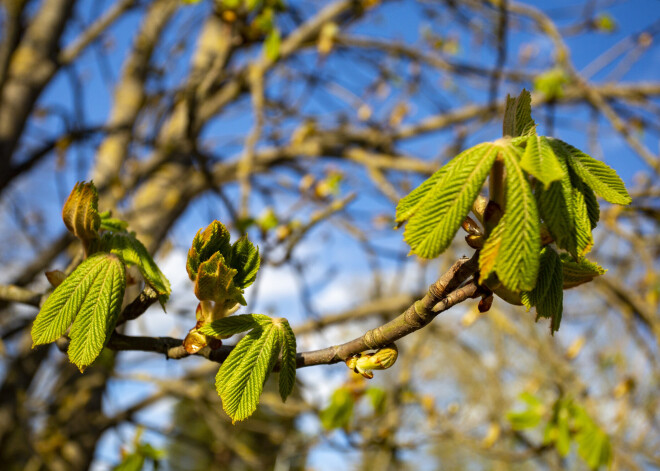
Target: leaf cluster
565, 422
549, 193
339, 413
241, 378
90, 299
221, 271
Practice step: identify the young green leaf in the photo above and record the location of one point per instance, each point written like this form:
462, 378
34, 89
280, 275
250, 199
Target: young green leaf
409, 204
98, 313
215, 282
528, 418
242, 385
577, 273
231, 325
594, 445
518, 116
602, 179
272, 45
245, 259
214, 238
62, 306
288, 363
512, 249
567, 208
339, 412
548, 293
433, 226
539, 160
132, 252
80, 212
108, 223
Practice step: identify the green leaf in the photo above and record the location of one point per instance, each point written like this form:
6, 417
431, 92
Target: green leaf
272, 45
98, 313
551, 83
529, 418
215, 282
214, 238
523, 420
242, 386
252, 4
433, 226
569, 210
288, 362
512, 249
594, 445
548, 293
518, 116
540, 160
339, 412
132, 252
108, 223
234, 359
62, 306
602, 179
377, 397
577, 273
232, 325
245, 259
134, 461
409, 204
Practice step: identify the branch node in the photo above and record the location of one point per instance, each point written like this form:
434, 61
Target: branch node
374, 338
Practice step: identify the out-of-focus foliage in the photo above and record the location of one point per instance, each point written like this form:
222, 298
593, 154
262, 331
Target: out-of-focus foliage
300, 126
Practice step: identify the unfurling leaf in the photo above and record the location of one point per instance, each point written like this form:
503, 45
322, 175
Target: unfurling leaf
108, 223
215, 282
214, 238
221, 271
132, 252
80, 212
539, 160
241, 377
547, 296
569, 209
512, 249
245, 259
603, 180
91, 299
518, 116
437, 209
577, 273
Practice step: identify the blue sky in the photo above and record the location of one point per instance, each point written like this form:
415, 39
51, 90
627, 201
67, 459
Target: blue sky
48, 186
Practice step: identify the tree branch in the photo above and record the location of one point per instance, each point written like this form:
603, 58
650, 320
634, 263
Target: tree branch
441, 296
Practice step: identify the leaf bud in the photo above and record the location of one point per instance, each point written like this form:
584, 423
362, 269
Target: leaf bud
381, 359
214, 238
80, 212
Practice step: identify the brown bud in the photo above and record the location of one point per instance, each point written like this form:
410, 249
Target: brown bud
485, 303
80, 212
492, 216
55, 277
475, 241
